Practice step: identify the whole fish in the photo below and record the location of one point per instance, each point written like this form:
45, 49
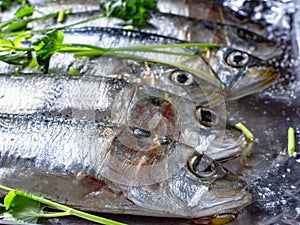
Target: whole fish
240, 73
116, 169
104, 99
170, 25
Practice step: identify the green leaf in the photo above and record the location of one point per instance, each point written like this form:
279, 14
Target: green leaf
136, 11
15, 58
26, 207
18, 40
22, 207
25, 11
17, 26
73, 71
5, 43
47, 45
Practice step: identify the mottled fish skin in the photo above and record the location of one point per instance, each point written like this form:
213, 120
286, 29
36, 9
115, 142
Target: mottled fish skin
169, 113
90, 166
182, 28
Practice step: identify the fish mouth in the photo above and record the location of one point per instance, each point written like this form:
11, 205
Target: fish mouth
229, 210
217, 219
231, 146
224, 218
254, 80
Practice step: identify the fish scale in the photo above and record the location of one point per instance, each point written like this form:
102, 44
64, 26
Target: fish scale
87, 150
103, 99
216, 64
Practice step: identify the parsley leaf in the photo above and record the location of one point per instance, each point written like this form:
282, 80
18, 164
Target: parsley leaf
21, 207
24, 12
47, 45
136, 11
24, 207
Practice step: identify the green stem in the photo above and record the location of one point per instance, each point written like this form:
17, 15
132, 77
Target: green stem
183, 45
53, 215
196, 72
15, 48
291, 141
6, 189
75, 24
67, 210
9, 34
245, 130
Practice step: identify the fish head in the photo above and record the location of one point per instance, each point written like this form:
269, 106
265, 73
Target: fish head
241, 73
201, 188
193, 107
229, 142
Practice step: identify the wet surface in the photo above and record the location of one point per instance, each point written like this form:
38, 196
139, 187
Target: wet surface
273, 176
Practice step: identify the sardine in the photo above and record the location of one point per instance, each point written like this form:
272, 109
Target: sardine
114, 168
210, 10
175, 26
240, 73
118, 101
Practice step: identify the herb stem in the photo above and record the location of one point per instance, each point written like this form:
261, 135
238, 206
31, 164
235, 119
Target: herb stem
245, 130
182, 45
291, 141
53, 215
67, 210
201, 74
6, 189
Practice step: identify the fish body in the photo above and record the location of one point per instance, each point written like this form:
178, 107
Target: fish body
110, 100
114, 168
175, 26
240, 73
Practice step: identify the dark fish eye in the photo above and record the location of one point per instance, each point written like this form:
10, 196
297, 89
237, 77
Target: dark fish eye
141, 133
181, 77
206, 117
165, 141
237, 59
201, 166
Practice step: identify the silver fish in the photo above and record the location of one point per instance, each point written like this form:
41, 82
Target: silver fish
105, 99
171, 25
240, 73
114, 168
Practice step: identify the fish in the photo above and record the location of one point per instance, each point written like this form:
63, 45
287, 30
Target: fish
240, 74
111, 100
113, 168
171, 25
214, 11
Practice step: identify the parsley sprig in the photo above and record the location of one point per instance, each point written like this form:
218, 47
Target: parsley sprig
23, 207
42, 47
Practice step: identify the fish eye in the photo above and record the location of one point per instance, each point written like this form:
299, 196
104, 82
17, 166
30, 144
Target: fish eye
165, 141
141, 133
202, 167
182, 77
206, 117
237, 59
